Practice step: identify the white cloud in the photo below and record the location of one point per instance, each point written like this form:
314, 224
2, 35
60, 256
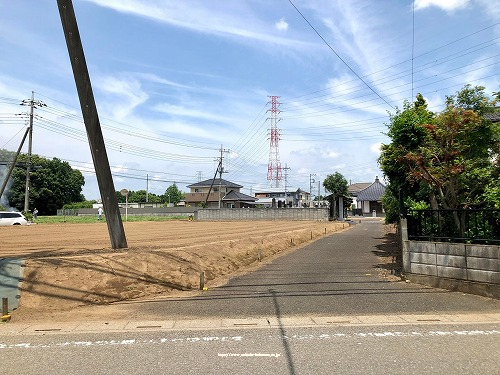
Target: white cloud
447, 5
375, 148
125, 95
240, 22
282, 25
181, 111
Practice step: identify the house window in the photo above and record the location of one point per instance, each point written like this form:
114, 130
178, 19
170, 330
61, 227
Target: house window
196, 190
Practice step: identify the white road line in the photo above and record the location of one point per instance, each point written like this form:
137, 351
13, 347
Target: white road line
207, 339
391, 334
128, 342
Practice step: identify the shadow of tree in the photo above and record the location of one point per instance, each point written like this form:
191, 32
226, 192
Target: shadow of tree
389, 251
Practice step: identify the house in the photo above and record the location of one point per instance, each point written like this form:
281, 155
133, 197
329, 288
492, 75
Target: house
353, 190
369, 199
298, 198
224, 194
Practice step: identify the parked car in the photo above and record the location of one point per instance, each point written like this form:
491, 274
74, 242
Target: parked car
12, 218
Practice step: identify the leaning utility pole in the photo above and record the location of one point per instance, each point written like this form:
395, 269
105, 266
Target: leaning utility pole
92, 125
4, 184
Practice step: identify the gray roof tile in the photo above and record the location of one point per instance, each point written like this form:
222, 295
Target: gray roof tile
374, 192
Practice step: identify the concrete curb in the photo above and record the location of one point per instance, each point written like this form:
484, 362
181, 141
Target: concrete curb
12, 329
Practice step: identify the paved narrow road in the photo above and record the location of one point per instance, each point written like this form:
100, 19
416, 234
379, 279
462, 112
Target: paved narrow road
336, 275
320, 310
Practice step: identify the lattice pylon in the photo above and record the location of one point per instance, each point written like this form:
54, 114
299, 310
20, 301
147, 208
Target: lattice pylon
274, 170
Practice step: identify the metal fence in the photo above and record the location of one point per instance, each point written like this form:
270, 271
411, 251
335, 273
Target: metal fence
468, 225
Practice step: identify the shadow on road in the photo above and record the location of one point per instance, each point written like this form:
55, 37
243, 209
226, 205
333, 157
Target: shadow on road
284, 341
389, 251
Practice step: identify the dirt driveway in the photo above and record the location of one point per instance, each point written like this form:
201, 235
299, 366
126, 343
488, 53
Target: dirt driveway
72, 265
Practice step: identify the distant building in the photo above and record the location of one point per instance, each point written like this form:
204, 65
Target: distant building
223, 191
369, 199
298, 198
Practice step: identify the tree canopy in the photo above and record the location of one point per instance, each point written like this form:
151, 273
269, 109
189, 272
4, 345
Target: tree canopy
337, 185
140, 196
53, 183
173, 194
449, 159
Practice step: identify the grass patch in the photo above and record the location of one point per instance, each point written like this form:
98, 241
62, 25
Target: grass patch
93, 219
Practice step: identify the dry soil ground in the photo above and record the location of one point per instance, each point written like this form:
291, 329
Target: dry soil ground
71, 266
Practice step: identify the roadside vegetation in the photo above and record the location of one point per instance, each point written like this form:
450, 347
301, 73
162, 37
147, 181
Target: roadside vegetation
447, 160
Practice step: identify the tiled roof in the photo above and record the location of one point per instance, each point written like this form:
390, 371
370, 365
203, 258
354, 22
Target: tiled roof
493, 117
235, 196
374, 192
217, 182
354, 189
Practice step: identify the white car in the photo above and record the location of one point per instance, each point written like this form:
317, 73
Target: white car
12, 218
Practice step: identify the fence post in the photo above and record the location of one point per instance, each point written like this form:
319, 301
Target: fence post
202, 280
405, 245
5, 306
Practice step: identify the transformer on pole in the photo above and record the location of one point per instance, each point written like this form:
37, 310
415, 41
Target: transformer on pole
274, 170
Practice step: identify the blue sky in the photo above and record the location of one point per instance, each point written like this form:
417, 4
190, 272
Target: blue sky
175, 80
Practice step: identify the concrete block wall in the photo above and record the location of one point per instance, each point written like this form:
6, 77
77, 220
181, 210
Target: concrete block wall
455, 266
456, 261
232, 214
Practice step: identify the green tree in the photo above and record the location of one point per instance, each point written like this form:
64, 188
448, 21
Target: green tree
406, 135
336, 184
173, 195
444, 159
53, 183
140, 196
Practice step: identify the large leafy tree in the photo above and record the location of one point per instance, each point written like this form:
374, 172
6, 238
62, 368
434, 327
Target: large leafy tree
444, 159
336, 184
406, 135
173, 194
53, 183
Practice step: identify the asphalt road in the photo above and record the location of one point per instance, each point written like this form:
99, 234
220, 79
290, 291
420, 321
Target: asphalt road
320, 310
335, 275
421, 349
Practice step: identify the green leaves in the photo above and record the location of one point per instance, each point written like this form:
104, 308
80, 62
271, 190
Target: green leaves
451, 155
53, 183
336, 184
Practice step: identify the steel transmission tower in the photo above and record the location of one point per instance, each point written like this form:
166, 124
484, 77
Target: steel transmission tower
274, 170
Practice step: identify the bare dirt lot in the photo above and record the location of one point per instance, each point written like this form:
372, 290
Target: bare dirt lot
71, 266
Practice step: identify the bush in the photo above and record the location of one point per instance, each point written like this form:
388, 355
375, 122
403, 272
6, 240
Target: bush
77, 205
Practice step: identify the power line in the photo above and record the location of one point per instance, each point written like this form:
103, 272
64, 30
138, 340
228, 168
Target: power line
341, 59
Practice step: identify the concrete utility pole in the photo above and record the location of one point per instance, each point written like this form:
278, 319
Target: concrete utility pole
286, 169
32, 105
221, 171
92, 125
319, 185
311, 181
